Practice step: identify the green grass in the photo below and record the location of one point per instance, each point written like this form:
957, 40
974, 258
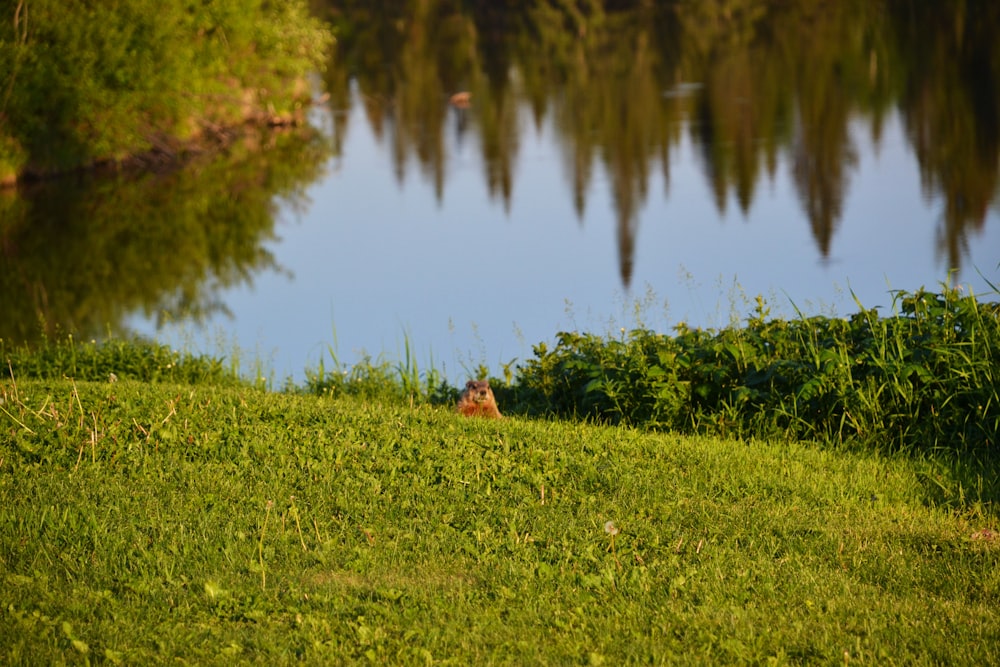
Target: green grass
145, 523
115, 359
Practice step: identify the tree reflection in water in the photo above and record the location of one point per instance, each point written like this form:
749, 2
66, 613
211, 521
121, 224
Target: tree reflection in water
755, 86
82, 252
773, 79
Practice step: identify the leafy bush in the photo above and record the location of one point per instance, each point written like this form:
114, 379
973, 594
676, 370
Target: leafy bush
88, 82
925, 377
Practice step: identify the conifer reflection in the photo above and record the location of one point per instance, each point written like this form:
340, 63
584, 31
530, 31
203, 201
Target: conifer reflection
758, 83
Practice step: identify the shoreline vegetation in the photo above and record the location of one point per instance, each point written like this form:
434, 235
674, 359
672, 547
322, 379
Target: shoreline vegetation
360, 519
923, 378
144, 83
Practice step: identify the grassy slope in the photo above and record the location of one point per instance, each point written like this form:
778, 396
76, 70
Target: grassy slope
137, 525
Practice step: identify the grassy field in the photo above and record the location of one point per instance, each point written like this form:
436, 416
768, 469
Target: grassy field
206, 523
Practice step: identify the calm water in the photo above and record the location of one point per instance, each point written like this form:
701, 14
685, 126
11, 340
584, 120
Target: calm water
645, 172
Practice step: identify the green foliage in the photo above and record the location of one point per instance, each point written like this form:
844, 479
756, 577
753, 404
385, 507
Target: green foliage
110, 361
923, 378
228, 525
91, 82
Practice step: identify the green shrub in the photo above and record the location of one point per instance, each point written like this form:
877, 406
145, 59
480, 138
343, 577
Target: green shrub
88, 82
925, 377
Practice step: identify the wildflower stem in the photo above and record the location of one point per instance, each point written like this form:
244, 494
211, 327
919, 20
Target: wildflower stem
260, 546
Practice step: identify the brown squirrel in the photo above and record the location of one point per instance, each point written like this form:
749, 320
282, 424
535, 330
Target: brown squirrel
478, 401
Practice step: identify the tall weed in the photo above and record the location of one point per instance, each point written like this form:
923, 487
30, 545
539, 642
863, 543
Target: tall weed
379, 378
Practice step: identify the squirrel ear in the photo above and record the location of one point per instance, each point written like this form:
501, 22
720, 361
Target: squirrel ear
470, 384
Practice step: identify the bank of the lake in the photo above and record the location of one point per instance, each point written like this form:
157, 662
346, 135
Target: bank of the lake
146, 82
921, 378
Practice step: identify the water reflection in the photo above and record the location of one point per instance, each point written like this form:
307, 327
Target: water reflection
752, 83
82, 253
779, 106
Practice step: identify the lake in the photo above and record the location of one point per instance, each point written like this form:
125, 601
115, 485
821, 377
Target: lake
607, 169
